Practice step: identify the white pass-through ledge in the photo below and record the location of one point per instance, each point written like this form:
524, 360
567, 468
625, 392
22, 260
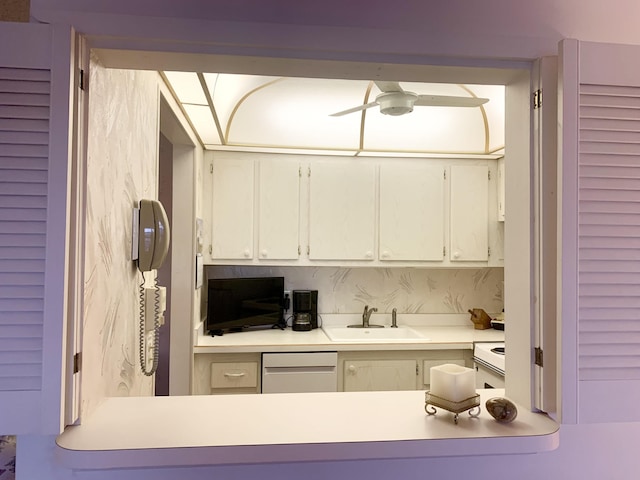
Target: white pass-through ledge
240, 429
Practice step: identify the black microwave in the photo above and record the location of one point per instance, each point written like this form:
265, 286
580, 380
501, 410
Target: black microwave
236, 304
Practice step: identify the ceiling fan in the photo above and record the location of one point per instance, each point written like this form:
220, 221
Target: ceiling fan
395, 101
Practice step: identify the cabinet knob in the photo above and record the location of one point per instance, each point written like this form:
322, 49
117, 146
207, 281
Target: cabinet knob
369, 254
352, 369
263, 253
247, 253
385, 254
456, 254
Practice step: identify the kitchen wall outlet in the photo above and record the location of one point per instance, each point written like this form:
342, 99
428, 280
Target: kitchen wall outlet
287, 299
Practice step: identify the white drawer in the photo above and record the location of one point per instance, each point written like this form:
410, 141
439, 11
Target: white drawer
234, 375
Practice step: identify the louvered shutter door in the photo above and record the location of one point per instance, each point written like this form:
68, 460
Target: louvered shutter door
608, 233
24, 131
34, 147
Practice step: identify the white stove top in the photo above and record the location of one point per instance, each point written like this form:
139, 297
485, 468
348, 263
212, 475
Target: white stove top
483, 351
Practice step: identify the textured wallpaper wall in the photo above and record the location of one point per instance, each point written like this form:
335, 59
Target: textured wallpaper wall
410, 290
121, 169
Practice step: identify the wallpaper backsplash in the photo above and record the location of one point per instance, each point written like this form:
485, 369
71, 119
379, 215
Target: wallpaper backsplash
410, 290
121, 169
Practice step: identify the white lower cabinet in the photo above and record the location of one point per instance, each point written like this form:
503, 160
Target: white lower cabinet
357, 371
226, 373
379, 375
393, 370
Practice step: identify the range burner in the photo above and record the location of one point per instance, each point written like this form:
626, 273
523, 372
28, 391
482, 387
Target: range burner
498, 350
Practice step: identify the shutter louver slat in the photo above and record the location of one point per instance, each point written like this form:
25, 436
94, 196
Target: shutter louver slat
24, 137
32, 163
24, 112
25, 240
29, 138
609, 233
24, 125
24, 86
29, 74
22, 278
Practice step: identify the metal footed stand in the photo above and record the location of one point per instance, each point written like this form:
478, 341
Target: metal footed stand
472, 404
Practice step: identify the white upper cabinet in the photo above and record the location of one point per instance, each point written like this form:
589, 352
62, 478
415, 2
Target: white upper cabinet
342, 205
279, 210
469, 216
411, 212
296, 210
232, 208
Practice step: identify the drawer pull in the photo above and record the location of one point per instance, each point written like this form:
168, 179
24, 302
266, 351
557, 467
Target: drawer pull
234, 375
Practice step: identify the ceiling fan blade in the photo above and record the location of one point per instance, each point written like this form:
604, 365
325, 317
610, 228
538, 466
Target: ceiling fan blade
354, 109
449, 101
389, 86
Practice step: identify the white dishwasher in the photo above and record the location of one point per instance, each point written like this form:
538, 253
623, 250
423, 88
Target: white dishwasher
299, 372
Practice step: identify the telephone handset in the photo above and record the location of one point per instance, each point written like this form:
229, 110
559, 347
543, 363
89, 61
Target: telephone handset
153, 235
152, 244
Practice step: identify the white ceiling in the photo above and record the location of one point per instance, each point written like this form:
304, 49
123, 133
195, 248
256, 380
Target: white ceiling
292, 114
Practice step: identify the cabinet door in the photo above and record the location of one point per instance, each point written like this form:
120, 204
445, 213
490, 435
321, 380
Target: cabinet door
378, 375
469, 217
342, 211
232, 208
411, 212
279, 210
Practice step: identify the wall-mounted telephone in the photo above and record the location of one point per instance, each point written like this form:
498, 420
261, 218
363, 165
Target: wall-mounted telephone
153, 235
150, 246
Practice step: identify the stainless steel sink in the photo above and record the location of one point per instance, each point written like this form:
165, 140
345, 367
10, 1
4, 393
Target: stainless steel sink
400, 334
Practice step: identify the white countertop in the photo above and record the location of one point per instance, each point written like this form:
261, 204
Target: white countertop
275, 340
175, 431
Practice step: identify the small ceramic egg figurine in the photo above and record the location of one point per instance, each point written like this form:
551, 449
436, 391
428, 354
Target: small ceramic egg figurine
503, 410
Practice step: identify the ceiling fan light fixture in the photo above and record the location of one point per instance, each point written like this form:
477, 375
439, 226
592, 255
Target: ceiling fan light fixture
396, 103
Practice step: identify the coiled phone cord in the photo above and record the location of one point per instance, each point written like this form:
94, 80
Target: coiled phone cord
156, 329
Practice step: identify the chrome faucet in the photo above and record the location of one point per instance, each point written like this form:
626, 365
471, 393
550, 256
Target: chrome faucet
394, 318
366, 315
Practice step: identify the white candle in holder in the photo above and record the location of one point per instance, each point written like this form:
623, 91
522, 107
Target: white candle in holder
453, 382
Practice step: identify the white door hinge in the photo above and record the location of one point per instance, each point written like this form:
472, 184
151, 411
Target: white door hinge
211, 168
